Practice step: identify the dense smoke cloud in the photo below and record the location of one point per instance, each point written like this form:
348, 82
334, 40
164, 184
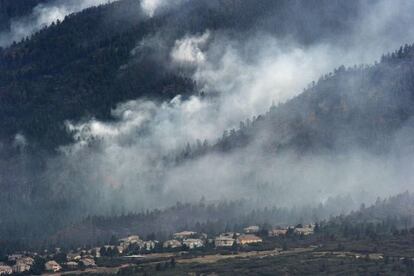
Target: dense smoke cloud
123, 162
126, 167
42, 16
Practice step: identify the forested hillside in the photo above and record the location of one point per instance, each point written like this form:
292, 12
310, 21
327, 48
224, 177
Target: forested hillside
359, 107
10, 9
204, 217
83, 66
72, 69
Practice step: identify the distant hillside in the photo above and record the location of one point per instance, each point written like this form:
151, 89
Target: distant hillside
360, 107
399, 208
201, 217
395, 212
384, 220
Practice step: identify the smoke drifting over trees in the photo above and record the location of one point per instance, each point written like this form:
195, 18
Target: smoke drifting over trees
43, 14
203, 99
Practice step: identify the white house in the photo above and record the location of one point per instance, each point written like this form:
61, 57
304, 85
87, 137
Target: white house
87, 262
126, 242
193, 243
131, 239
249, 239
21, 267
5, 270
277, 232
224, 241
149, 245
52, 266
14, 257
23, 264
172, 244
305, 230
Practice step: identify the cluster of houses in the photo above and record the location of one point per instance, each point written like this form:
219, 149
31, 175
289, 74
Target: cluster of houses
21, 264
250, 236
184, 240
305, 230
133, 242
193, 240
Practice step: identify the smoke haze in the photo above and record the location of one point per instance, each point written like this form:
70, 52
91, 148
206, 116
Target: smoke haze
131, 162
248, 73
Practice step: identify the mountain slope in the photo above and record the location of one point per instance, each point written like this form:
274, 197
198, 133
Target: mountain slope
64, 73
82, 67
361, 107
85, 65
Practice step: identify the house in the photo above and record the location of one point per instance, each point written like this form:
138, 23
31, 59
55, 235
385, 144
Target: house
124, 246
109, 247
149, 245
126, 242
14, 257
5, 270
96, 252
87, 262
120, 249
131, 239
193, 243
248, 239
52, 266
25, 260
74, 256
277, 232
305, 230
20, 268
184, 235
251, 229
222, 241
172, 244
23, 264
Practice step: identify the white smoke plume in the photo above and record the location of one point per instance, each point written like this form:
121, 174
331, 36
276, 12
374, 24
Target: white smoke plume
123, 161
44, 15
188, 50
